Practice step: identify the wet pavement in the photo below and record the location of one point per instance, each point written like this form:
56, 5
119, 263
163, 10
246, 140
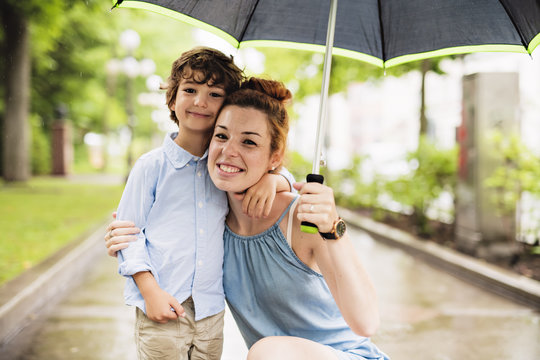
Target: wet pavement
426, 314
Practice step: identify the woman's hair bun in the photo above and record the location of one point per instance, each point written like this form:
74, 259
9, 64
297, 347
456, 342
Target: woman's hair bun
272, 88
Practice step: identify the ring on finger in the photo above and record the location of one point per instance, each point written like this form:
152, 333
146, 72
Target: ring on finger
311, 208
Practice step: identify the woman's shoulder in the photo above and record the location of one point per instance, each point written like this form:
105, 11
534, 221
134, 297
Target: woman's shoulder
283, 204
284, 199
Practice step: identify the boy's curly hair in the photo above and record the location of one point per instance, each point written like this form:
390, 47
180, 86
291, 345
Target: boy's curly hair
210, 65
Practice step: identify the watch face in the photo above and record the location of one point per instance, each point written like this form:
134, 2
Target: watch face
340, 228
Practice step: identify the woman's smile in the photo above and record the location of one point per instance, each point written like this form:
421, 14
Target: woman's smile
229, 169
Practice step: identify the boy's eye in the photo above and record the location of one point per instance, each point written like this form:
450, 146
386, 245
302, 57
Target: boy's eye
189, 90
216, 95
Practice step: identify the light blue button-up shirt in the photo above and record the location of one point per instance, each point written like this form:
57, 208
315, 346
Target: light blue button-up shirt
171, 198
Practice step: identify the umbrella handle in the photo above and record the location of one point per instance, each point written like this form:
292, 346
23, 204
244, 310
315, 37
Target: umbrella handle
306, 226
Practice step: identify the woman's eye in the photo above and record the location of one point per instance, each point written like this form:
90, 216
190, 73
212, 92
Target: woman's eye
221, 136
250, 142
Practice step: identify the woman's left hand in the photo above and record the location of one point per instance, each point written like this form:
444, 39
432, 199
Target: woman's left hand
317, 205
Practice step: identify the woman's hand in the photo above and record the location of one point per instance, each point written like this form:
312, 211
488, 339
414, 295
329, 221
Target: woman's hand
316, 205
119, 234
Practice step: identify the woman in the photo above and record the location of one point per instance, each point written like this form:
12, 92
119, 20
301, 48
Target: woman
294, 295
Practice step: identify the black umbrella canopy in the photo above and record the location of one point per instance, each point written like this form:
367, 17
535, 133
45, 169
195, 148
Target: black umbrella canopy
381, 32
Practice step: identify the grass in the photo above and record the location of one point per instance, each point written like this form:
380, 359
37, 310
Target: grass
41, 216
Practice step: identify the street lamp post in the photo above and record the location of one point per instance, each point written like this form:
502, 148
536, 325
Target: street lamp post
131, 68
130, 41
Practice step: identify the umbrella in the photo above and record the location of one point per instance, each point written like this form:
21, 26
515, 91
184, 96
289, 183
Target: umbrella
381, 32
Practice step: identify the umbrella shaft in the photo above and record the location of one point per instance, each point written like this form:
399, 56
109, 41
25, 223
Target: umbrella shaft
321, 122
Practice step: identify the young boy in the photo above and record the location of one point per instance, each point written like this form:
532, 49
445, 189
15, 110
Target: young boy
174, 269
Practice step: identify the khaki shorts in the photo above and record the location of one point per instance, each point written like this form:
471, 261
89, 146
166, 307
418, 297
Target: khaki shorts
180, 339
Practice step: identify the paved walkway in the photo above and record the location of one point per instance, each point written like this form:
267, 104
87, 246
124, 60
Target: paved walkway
426, 314
93, 323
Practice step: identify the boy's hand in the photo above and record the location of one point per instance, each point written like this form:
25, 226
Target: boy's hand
160, 305
259, 198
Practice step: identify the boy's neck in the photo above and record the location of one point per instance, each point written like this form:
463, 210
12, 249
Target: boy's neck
195, 143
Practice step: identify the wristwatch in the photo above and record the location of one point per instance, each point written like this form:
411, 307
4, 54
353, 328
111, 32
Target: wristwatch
337, 232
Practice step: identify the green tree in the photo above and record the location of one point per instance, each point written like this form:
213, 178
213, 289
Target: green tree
33, 40
432, 171
519, 172
17, 17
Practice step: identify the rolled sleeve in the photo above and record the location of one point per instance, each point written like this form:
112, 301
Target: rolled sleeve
136, 259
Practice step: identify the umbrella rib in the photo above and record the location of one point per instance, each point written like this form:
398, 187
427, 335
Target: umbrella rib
523, 40
247, 23
382, 34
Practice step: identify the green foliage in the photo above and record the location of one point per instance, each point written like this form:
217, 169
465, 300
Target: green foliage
432, 171
519, 172
37, 10
68, 65
302, 70
298, 166
352, 190
41, 148
43, 216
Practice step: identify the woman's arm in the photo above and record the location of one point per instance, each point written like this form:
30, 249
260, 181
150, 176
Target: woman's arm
337, 260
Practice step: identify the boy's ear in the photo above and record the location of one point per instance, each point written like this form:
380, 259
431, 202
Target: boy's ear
173, 104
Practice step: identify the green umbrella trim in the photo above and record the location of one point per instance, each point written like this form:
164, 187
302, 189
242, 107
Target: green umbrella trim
182, 17
455, 51
534, 43
312, 47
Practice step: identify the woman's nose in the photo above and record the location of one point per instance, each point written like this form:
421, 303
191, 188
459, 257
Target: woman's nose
230, 149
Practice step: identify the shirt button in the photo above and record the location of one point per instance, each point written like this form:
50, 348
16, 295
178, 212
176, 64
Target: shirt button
200, 263
201, 231
200, 204
199, 174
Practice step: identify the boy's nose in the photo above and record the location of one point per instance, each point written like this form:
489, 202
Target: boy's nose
200, 100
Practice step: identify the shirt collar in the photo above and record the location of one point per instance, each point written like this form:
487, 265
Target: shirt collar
176, 154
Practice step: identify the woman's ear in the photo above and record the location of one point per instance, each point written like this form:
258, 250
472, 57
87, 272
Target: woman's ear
275, 160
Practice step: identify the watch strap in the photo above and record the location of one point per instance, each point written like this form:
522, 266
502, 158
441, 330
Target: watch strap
332, 235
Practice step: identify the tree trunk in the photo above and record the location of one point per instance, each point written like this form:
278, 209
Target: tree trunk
423, 119
16, 132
